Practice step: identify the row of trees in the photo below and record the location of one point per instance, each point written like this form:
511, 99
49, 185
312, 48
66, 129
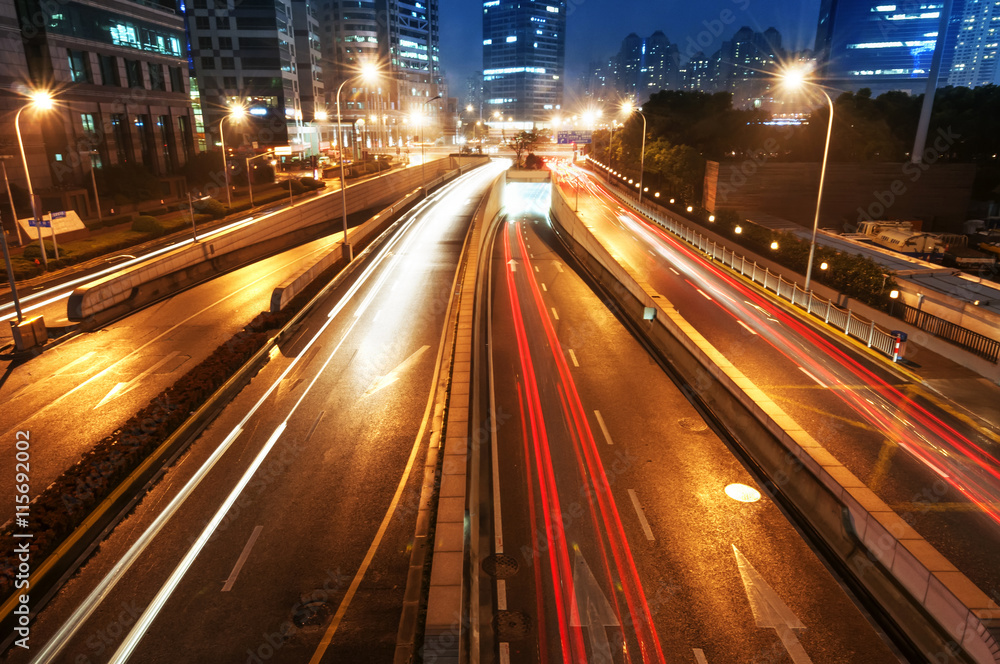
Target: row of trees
684, 129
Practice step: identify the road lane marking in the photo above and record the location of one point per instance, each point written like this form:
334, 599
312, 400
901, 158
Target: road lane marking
674, 271
377, 314
545, 288
747, 327
604, 428
699, 656
572, 356
555, 314
242, 559
536, 269
122, 389
703, 294
558, 266
80, 360
593, 610
769, 611
315, 424
822, 384
642, 515
391, 377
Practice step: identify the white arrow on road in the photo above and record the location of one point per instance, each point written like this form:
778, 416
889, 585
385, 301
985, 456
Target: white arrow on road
391, 377
591, 609
558, 266
122, 389
769, 611
513, 265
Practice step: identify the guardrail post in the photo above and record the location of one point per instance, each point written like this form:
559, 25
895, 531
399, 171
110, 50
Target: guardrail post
871, 334
826, 319
847, 325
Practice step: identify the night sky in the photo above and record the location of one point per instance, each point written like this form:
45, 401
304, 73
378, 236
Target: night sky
597, 27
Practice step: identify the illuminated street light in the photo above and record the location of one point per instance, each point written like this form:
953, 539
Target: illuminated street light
369, 73
236, 114
796, 79
739, 229
690, 208
628, 108
894, 294
774, 246
823, 265
711, 217
40, 101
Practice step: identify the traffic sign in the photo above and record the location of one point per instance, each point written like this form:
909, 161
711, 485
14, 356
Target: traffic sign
44, 223
577, 137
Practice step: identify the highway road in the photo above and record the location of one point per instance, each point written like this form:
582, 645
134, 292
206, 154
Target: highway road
934, 463
280, 535
614, 495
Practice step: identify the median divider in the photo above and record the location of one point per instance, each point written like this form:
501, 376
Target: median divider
937, 608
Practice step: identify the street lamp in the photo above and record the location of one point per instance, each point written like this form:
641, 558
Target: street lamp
369, 72
423, 120
236, 114
250, 173
40, 101
629, 108
3, 239
796, 78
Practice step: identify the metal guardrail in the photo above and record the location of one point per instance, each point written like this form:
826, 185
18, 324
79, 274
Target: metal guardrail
844, 320
973, 342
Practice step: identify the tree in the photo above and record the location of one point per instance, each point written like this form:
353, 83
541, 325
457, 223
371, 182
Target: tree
522, 144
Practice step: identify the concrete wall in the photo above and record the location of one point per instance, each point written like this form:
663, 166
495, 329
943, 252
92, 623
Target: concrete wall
311, 218
940, 197
908, 578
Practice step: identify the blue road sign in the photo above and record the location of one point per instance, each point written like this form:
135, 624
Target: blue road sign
44, 223
578, 137
58, 215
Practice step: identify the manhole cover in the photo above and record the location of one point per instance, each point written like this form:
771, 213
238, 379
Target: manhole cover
511, 625
311, 614
692, 424
500, 566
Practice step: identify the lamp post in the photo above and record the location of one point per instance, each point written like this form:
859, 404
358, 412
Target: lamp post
796, 79
6, 251
93, 179
236, 113
368, 72
423, 120
629, 109
40, 101
250, 173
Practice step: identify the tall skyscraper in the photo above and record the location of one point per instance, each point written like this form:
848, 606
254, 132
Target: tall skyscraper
119, 74
743, 65
882, 46
524, 54
660, 64
247, 52
401, 37
977, 45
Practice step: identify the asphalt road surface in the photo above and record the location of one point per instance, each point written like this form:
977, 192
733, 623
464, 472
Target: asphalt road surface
280, 536
614, 501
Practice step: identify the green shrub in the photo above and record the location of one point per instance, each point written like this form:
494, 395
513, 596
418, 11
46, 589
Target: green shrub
146, 224
33, 251
311, 183
297, 187
212, 207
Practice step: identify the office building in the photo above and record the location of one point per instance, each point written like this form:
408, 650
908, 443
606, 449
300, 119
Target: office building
660, 64
524, 53
402, 38
118, 71
882, 46
697, 75
977, 45
745, 65
249, 52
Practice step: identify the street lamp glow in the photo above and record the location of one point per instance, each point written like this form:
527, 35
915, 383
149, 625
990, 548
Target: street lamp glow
823, 265
774, 246
690, 208
321, 116
627, 108
711, 217
794, 78
369, 72
237, 112
469, 109
739, 229
41, 100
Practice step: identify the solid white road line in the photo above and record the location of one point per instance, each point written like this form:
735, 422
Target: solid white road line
604, 428
747, 327
242, 559
699, 656
642, 516
572, 356
821, 383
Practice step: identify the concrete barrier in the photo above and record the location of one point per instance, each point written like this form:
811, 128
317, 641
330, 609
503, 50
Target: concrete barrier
358, 236
941, 611
130, 289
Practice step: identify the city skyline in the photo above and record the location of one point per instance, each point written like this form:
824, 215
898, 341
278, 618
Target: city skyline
594, 30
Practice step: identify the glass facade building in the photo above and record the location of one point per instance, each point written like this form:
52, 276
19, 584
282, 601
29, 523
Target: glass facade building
977, 45
524, 54
882, 45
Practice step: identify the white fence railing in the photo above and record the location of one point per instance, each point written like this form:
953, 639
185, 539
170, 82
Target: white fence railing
844, 320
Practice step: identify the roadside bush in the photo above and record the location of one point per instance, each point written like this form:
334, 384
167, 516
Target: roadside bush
33, 251
212, 207
297, 187
146, 224
533, 162
107, 222
311, 183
